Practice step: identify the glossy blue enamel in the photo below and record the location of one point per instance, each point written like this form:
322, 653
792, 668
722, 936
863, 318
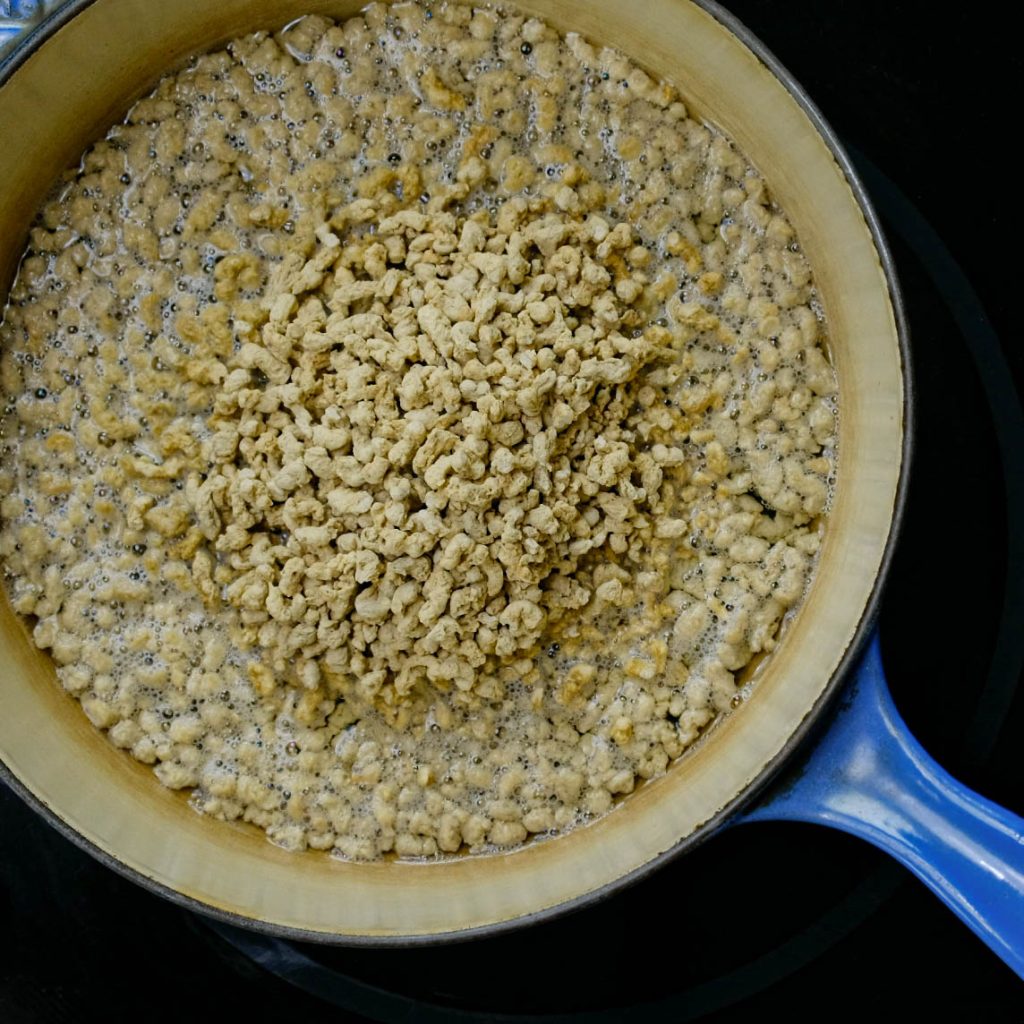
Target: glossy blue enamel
17, 16
865, 775
868, 776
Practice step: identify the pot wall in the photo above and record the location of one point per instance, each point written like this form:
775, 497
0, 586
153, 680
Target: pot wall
60, 98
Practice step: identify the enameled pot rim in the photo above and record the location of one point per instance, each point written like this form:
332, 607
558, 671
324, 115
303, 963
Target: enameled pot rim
38, 34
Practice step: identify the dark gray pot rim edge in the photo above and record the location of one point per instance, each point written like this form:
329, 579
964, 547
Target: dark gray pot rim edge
48, 27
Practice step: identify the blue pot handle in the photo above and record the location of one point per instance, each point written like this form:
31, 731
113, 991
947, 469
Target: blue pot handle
868, 776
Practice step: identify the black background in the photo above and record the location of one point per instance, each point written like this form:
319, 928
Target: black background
924, 94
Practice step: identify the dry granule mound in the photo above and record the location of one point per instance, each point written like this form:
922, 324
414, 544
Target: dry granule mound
443, 414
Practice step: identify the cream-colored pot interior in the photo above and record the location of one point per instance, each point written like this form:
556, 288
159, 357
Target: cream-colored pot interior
81, 79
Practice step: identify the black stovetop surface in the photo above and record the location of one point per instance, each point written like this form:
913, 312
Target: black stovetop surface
812, 924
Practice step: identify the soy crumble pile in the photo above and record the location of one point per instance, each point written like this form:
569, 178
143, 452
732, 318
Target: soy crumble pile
451, 421
414, 429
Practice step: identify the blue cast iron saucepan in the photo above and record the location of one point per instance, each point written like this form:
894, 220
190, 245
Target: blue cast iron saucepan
67, 78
